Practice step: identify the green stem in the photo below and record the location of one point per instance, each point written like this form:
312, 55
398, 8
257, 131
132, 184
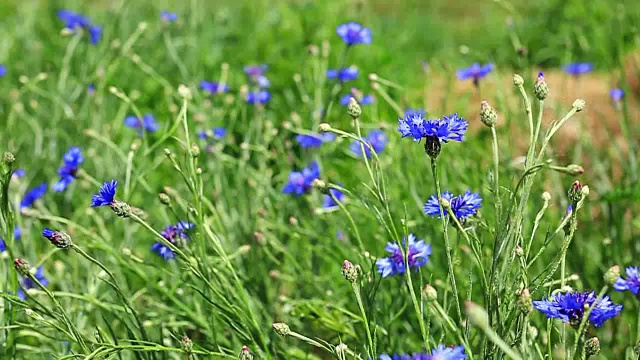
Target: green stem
372, 348
585, 319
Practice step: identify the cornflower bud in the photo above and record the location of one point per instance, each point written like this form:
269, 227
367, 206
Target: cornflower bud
518, 80
349, 271
353, 108
164, 199
575, 192
430, 293
58, 238
281, 329
592, 347
540, 89
21, 266
579, 105
612, 275
488, 114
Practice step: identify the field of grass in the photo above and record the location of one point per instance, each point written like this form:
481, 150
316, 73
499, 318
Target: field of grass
233, 234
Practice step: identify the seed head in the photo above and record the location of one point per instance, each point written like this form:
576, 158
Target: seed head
195, 150
353, 108
325, 127
281, 329
525, 302
612, 275
488, 115
540, 89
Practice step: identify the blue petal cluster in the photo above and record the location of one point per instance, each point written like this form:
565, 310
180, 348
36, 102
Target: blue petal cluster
376, 138
18, 173
578, 68
148, 123
3, 70
27, 283
327, 200
174, 234
366, 99
631, 283
345, 74
213, 87
417, 254
256, 74
353, 33
314, 140
441, 352
73, 21
475, 72
216, 133
616, 94
71, 160
168, 16
449, 128
106, 194
463, 206
33, 194
570, 307
299, 182
258, 97
91, 89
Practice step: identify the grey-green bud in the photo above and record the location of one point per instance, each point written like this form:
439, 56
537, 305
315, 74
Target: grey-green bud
186, 344
164, 199
575, 192
8, 158
592, 347
540, 89
350, 271
612, 275
245, 353
518, 80
22, 266
121, 208
281, 329
579, 105
488, 115
430, 293
353, 108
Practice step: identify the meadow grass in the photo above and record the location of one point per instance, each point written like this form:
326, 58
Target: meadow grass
262, 273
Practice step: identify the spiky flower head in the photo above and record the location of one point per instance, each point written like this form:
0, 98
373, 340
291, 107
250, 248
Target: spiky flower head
58, 238
631, 283
417, 255
353, 108
570, 307
463, 206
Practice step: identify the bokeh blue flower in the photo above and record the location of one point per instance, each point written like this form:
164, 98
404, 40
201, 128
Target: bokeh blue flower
299, 182
216, 133
366, 99
353, 33
148, 123
616, 94
258, 97
174, 233
345, 74
33, 194
71, 160
631, 283
314, 140
376, 138
213, 87
417, 254
328, 201
474, 72
73, 21
167, 16
578, 68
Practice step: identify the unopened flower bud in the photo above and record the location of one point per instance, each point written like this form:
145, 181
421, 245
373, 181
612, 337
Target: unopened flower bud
488, 115
430, 293
186, 344
21, 266
540, 89
518, 80
585, 191
546, 196
579, 105
575, 169
525, 302
195, 150
353, 108
592, 347
164, 199
184, 91
58, 238
281, 329
349, 271
320, 185
476, 314
519, 251
8, 158
32, 314
245, 353
121, 208
445, 203
575, 192
612, 275
324, 127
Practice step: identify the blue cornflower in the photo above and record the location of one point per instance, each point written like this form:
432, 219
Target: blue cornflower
73, 21
366, 100
95, 34
18, 173
106, 194
449, 128
3, 70
256, 73
413, 124
417, 254
570, 307
376, 138
3, 246
174, 234
213, 87
353, 33
168, 16
345, 74
314, 140
327, 200
33, 194
475, 72
632, 283
418, 111
447, 353
463, 206
17, 234
27, 283
148, 122
578, 68
67, 172
299, 182
216, 133
261, 97
91, 89
616, 94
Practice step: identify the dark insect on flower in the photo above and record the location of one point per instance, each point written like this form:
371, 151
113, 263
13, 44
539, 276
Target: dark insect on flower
353, 33
616, 94
27, 283
631, 283
18, 173
417, 256
32, 195
106, 195
256, 74
300, 182
345, 74
74, 21
176, 234
570, 307
3, 70
376, 138
168, 16
259, 97
328, 201
475, 72
578, 68
148, 123
213, 87
314, 140
463, 206
366, 100
67, 172
216, 133
17, 234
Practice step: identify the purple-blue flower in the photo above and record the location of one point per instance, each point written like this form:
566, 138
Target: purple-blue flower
376, 138
299, 182
106, 194
314, 140
475, 72
328, 201
345, 74
33, 194
3, 70
256, 73
168, 16
174, 234
439, 353
463, 206
366, 100
18, 173
260, 97
216, 133
616, 94
148, 123
413, 124
449, 128
570, 307
71, 160
631, 283
27, 283
417, 254
73, 21
353, 33
95, 34
213, 87
91, 89
578, 68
